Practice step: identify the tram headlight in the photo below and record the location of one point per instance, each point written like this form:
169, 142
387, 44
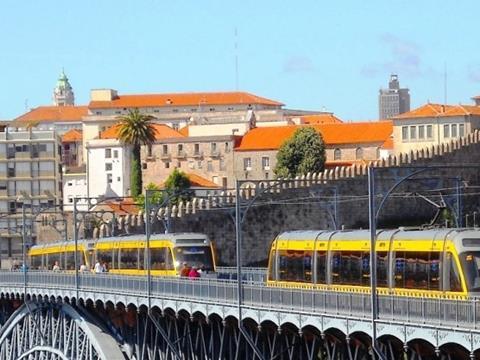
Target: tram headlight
177, 263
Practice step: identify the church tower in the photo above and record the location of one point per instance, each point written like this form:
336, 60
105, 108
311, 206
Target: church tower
63, 92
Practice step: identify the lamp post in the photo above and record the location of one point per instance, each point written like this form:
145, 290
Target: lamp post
24, 255
75, 240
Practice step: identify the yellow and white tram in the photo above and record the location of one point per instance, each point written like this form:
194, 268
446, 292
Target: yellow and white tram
127, 254
432, 263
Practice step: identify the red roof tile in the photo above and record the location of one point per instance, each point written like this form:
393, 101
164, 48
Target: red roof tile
439, 110
183, 99
184, 131
72, 135
53, 114
320, 119
271, 138
161, 132
197, 181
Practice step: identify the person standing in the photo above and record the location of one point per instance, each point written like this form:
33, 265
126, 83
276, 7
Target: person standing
98, 268
194, 273
185, 271
56, 266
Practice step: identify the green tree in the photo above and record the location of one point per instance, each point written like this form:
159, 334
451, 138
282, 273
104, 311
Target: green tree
304, 152
155, 197
177, 186
136, 129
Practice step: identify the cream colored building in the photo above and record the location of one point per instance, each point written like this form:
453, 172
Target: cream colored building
433, 124
29, 173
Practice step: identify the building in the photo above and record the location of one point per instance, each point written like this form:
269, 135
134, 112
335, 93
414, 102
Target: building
476, 100
63, 93
29, 173
61, 117
394, 100
345, 144
433, 124
75, 186
72, 148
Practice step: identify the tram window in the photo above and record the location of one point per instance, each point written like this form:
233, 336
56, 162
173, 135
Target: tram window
382, 269
36, 262
141, 259
128, 259
350, 268
295, 265
106, 256
51, 260
271, 268
471, 267
454, 277
69, 260
321, 267
417, 270
161, 259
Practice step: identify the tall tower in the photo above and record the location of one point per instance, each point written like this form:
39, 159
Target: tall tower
63, 92
394, 100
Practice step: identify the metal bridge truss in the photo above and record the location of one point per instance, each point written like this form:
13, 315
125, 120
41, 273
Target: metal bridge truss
52, 330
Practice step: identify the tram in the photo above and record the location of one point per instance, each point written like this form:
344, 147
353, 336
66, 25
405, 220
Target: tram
428, 263
127, 254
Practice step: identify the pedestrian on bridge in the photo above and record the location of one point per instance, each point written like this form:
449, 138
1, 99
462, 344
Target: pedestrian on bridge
185, 271
56, 266
193, 274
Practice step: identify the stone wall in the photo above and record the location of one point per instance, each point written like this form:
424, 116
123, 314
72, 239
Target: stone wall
309, 202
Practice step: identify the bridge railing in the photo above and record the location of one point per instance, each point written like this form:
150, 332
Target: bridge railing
435, 312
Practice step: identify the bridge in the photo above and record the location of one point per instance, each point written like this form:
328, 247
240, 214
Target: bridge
55, 315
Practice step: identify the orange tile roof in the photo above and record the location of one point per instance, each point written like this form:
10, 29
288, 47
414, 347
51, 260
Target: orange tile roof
197, 181
434, 110
388, 144
54, 114
183, 99
161, 132
123, 207
271, 138
184, 131
72, 135
320, 119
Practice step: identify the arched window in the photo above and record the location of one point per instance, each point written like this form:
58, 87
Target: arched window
359, 153
337, 154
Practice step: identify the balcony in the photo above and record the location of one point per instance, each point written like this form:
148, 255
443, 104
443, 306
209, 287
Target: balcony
165, 156
214, 153
181, 154
198, 154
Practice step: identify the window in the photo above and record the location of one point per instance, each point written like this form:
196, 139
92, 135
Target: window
119, 179
461, 130
108, 153
70, 183
165, 149
180, 148
213, 147
149, 150
359, 153
128, 259
144, 166
413, 132
337, 154
454, 130
382, 269
161, 259
421, 132
351, 267
3, 185
429, 131
109, 178
11, 170
108, 166
247, 164
209, 166
115, 154
227, 147
404, 132
446, 131
417, 270
10, 151
221, 164
197, 149
321, 267
295, 265
12, 207
167, 165
266, 163
199, 164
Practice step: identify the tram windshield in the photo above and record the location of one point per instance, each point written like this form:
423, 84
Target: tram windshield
471, 267
199, 256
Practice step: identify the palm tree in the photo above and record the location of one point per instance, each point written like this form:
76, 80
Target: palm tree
136, 129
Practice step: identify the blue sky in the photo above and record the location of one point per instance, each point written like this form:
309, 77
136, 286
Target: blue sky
332, 55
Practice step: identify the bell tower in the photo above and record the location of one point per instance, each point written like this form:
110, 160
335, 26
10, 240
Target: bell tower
63, 93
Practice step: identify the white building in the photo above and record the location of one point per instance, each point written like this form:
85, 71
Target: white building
108, 168
75, 186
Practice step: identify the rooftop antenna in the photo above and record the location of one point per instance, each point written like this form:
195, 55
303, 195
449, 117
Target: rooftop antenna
445, 84
236, 59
